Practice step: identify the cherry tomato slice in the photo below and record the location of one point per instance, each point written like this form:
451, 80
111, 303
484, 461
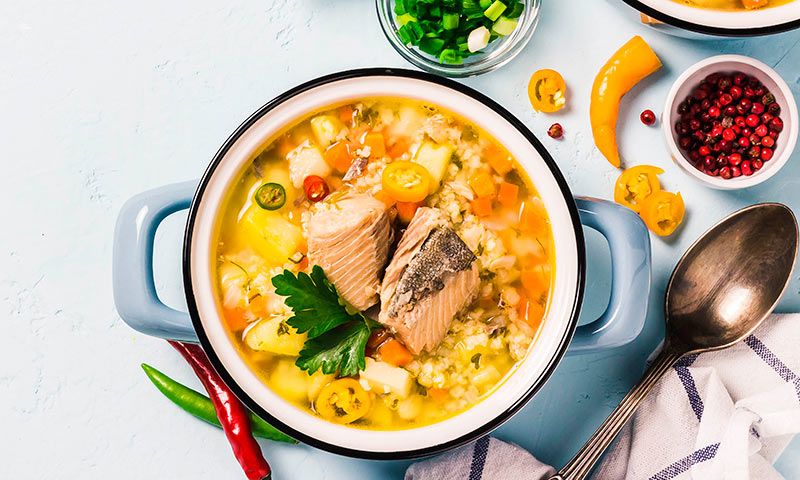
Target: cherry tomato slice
636, 184
406, 181
315, 188
663, 212
547, 91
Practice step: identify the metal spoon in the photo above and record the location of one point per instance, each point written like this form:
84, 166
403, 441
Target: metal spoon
723, 287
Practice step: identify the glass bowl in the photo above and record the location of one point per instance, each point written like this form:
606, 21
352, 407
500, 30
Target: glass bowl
494, 56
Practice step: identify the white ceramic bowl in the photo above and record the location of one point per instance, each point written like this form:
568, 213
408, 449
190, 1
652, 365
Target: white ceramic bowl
742, 23
692, 77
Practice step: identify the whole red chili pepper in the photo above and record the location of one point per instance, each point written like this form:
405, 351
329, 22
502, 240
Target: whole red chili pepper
230, 411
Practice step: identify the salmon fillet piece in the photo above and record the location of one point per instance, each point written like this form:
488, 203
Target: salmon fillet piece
349, 238
431, 278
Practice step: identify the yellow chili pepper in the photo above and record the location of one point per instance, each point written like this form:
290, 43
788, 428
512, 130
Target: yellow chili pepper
635, 185
342, 401
662, 212
547, 91
627, 67
406, 181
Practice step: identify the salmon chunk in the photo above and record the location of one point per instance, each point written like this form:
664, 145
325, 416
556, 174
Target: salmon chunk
431, 278
349, 238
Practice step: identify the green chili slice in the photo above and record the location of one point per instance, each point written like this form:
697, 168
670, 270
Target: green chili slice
270, 196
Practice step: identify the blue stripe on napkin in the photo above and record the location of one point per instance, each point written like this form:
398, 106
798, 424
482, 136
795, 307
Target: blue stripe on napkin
685, 376
683, 465
765, 354
479, 458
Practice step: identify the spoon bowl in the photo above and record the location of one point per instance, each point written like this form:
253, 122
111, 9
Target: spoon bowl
723, 287
730, 279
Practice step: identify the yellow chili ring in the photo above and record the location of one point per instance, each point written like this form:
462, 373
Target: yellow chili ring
628, 66
635, 185
342, 401
547, 91
663, 212
406, 181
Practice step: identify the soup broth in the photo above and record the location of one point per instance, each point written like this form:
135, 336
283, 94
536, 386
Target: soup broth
490, 285
733, 4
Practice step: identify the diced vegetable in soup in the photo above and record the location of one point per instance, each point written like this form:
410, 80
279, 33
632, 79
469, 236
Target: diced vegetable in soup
733, 4
384, 264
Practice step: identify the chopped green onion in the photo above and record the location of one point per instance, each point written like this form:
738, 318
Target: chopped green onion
504, 26
431, 46
485, 4
450, 21
400, 7
451, 56
495, 10
405, 18
516, 10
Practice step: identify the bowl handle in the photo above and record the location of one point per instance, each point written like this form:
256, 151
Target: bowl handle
132, 267
629, 245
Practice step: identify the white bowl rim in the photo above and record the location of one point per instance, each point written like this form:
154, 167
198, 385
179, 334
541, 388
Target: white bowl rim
469, 425
765, 21
790, 133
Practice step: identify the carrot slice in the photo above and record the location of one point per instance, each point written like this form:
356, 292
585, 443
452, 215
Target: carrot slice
482, 184
346, 114
482, 206
535, 280
438, 395
406, 210
338, 156
532, 219
399, 147
530, 312
394, 352
236, 318
507, 194
498, 159
376, 144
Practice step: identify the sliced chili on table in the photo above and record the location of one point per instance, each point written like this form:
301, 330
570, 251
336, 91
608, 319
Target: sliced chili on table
663, 212
636, 184
230, 412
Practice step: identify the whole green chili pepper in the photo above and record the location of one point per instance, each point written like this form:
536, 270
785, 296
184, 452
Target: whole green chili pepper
200, 406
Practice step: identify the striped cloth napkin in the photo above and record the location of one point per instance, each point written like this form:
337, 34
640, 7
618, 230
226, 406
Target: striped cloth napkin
723, 415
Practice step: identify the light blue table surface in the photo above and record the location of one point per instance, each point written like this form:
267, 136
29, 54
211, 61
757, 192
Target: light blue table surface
101, 100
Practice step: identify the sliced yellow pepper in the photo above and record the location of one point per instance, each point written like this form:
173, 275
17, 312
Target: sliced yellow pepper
627, 67
547, 91
635, 185
406, 181
342, 401
663, 212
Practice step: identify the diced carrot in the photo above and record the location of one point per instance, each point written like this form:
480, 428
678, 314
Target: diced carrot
507, 236
258, 306
507, 194
392, 351
236, 318
530, 312
438, 395
751, 4
338, 156
385, 198
482, 206
346, 114
535, 280
482, 184
399, 147
532, 219
498, 159
376, 144
406, 210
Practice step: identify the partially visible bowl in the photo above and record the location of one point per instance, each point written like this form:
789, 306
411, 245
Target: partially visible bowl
495, 55
745, 23
692, 77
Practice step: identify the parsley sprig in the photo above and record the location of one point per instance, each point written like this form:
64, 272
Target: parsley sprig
337, 336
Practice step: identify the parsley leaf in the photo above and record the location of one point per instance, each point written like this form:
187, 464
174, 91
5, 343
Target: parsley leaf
337, 337
313, 299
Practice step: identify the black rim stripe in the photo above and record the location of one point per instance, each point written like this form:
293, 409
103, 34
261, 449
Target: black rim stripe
489, 425
709, 30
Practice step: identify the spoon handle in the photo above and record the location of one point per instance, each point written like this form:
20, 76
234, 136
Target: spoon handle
579, 467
